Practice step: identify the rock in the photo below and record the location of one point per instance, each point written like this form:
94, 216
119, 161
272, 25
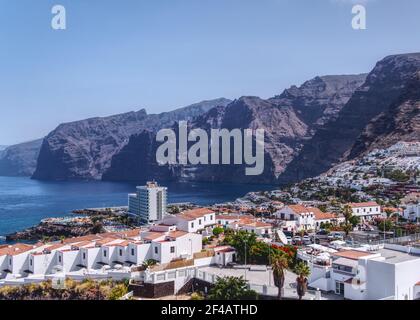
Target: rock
288, 120
333, 142
20, 159
84, 149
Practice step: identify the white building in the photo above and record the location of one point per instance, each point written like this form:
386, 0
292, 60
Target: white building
303, 217
260, 228
412, 212
102, 255
195, 220
366, 210
391, 273
148, 203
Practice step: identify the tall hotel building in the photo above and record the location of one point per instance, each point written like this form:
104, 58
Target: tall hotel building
148, 203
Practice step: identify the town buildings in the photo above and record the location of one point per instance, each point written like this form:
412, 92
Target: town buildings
148, 203
389, 272
366, 210
412, 212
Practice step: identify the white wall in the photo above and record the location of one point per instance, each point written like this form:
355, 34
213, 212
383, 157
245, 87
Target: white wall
70, 260
380, 280
20, 263
407, 274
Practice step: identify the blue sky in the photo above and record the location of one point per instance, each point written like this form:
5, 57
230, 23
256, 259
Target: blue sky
118, 56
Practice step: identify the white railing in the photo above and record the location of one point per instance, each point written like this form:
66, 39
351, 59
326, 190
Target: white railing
128, 296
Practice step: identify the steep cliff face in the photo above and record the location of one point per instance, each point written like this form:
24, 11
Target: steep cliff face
20, 159
84, 149
288, 120
401, 122
319, 100
308, 129
334, 141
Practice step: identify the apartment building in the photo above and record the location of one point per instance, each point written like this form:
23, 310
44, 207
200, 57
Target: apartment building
390, 273
96, 252
412, 212
301, 217
195, 220
148, 203
366, 210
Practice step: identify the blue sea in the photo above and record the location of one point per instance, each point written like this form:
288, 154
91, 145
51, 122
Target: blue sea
24, 202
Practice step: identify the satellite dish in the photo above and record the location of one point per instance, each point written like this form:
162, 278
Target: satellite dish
282, 236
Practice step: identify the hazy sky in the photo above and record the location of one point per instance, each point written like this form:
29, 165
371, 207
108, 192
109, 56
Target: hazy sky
123, 55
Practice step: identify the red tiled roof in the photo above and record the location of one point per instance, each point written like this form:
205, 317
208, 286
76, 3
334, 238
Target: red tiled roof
152, 235
16, 249
177, 234
194, 213
319, 215
299, 209
363, 204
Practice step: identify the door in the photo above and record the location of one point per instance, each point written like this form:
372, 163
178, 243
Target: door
339, 288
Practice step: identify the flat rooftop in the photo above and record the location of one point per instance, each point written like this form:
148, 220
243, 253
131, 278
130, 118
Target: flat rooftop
394, 256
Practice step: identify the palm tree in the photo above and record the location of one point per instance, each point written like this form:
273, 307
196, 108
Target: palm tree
279, 264
231, 288
303, 271
347, 212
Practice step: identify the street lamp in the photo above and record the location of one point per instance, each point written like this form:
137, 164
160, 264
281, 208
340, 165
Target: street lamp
245, 259
269, 262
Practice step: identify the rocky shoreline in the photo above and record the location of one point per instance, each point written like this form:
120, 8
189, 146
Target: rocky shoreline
53, 232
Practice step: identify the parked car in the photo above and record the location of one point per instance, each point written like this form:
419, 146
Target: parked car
306, 240
335, 235
322, 232
297, 240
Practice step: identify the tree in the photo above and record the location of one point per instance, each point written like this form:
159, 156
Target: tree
385, 224
354, 220
243, 241
347, 227
303, 271
217, 231
279, 264
149, 263
347, 212
231, 288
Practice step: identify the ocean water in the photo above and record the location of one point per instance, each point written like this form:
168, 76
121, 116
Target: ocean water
24, 202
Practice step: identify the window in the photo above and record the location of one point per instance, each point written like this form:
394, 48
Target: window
59, 259
105, 253
199, 221
120, 252
132, 251
84, 255
156, 250
30, 261
192, 224
172, 249
204, 218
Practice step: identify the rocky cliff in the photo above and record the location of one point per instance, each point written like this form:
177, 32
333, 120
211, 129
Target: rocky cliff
308, 129
400, 122
84, 149
332, 143
20, 159
288, 120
